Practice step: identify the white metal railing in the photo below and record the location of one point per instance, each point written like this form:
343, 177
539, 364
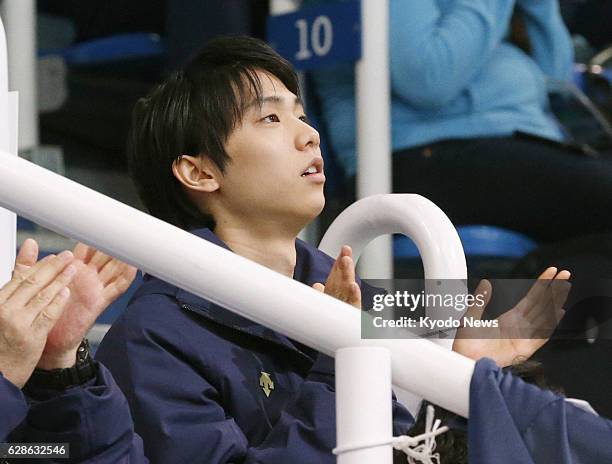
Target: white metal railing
413, 215
19, 18
8, 143
435, 235
363, 391
373, 94
234, 282
443, 258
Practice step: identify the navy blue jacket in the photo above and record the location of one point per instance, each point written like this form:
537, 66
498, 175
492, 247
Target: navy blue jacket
94, 419
208, 386
13, 406
512, 421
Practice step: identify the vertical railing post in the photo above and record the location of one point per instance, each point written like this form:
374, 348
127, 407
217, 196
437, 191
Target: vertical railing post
19, 17
363, 404
374, 127
8, 143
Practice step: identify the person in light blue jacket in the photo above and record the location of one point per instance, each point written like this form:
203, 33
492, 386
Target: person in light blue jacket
471, 128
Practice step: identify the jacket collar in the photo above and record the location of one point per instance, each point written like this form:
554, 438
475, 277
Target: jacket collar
312, 265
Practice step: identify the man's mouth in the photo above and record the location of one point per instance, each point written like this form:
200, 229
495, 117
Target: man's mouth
315, 167
309, 171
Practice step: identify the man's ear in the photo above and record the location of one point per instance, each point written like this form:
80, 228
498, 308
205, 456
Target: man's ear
197, 173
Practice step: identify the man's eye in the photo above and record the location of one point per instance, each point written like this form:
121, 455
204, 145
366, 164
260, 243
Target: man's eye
271, 118
306, 120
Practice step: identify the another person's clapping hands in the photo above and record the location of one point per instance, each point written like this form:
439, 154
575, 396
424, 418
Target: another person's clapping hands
49, 306
30, 305
99, 280
522, 330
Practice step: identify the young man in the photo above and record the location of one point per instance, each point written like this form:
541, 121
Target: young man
224, 149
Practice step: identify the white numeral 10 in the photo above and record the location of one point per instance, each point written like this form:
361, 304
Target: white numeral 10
321, 37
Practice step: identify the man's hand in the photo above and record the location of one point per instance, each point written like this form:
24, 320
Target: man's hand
99, 281
341, 280
30, 304
523, 329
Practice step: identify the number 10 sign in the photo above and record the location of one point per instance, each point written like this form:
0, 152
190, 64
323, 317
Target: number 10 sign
318, 36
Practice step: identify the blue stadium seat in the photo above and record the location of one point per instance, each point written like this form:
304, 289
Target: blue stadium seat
477, 240
113, 48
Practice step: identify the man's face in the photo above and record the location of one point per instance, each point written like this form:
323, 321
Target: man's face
275, 171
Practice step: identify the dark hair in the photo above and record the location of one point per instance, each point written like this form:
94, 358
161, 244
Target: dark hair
452, 446
193, 113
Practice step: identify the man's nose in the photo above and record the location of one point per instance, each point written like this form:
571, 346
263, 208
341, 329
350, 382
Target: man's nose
307, 137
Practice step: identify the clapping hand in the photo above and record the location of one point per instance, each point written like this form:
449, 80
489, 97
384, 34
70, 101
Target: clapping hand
341, 282
99, 280
522, 330
31, 303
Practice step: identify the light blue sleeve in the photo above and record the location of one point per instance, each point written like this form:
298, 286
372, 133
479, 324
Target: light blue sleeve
436, 51
551, 45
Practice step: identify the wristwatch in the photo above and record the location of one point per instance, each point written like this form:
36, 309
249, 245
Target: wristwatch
60, 379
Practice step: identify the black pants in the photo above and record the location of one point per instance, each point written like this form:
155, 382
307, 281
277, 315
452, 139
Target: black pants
544, 190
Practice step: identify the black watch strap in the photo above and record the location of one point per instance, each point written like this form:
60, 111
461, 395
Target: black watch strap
83, 370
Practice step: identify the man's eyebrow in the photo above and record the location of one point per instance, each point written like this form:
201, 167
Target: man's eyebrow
276, 100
